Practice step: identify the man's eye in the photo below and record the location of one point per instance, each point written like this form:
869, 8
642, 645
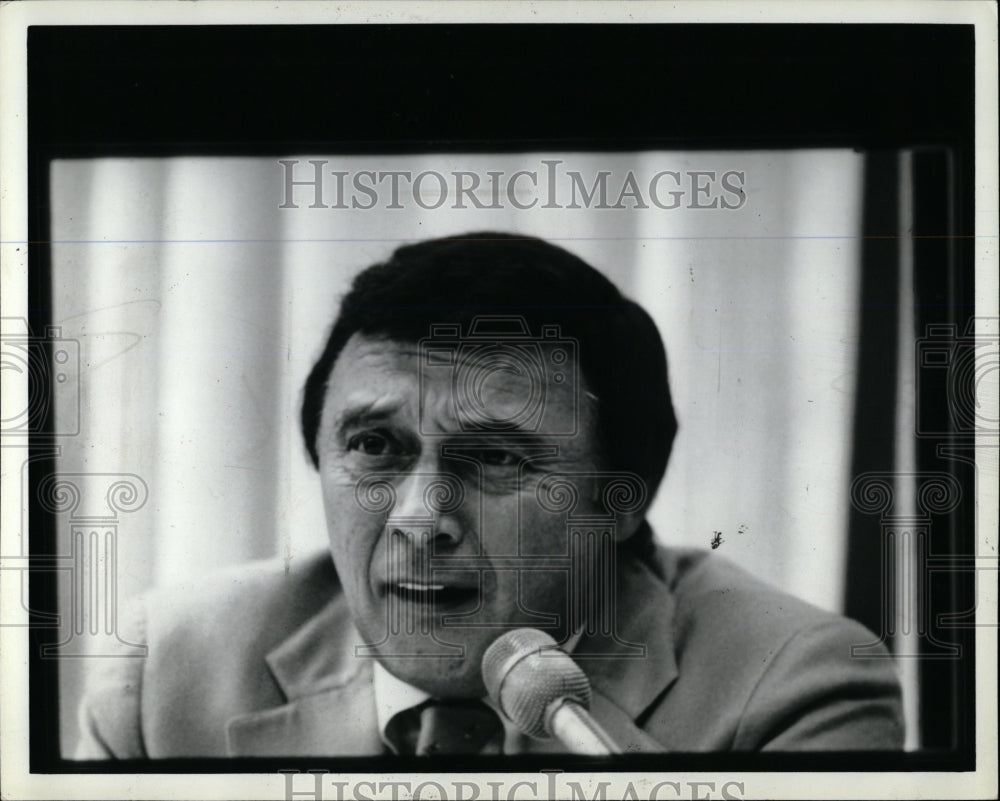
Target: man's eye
494, 457
371, 444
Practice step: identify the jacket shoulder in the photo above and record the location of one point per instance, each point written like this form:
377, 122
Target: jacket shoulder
712, 591
760, 668
256, 604
207, 639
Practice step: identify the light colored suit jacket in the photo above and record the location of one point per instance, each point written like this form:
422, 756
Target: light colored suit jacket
259, 662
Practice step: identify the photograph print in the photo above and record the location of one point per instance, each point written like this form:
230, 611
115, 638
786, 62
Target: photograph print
460, 398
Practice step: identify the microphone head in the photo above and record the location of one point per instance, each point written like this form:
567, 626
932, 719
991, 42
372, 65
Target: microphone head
525, 671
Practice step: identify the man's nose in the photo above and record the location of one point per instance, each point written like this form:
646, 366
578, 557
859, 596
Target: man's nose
427, 509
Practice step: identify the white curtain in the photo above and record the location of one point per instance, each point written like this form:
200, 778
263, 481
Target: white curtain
200, 306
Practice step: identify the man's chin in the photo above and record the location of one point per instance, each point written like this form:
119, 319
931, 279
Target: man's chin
445, 667
446, 663
441, 677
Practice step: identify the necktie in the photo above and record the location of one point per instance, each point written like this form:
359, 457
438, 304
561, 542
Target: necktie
448, 727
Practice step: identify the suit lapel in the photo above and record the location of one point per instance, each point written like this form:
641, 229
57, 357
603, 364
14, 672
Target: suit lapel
337, 722
331, 703
632, 668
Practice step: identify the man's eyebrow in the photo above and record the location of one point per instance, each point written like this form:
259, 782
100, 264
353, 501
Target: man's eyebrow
367, 412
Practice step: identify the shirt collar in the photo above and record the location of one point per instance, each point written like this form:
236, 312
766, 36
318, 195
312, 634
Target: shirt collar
393, 695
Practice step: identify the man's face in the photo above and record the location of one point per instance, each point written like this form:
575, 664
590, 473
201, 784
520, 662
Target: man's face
378, 419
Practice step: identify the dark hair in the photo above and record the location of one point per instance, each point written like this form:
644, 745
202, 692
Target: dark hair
456, 279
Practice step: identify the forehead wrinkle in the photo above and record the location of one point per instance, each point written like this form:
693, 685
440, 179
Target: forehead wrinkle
363, 353
366, 378
503, 397
438, 411
515, 384
360, 407
379, 377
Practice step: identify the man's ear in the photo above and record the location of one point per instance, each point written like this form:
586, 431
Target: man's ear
628, 523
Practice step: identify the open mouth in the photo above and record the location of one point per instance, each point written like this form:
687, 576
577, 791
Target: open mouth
444, 597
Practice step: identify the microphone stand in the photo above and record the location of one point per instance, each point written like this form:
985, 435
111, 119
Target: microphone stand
573, 726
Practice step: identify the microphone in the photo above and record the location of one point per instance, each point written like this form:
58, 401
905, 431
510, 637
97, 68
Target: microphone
543, 691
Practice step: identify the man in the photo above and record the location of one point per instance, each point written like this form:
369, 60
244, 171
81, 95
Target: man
490, 420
